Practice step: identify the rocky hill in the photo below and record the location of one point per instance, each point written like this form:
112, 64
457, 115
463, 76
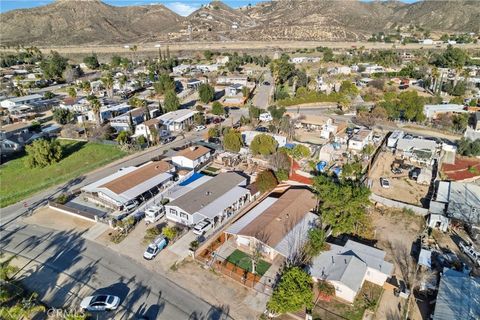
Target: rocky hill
74, 22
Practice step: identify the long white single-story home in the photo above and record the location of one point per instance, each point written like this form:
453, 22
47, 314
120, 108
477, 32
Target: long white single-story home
178, 120
214, 199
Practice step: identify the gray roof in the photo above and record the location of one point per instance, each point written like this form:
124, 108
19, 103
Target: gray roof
464, 202
348, 264
458, 297
416, 144
26, 98
208, 192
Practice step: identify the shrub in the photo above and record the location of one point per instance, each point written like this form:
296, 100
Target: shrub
169, 232
62, 199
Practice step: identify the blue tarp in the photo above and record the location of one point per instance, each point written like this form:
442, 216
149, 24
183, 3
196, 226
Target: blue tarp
321, 166
194, 177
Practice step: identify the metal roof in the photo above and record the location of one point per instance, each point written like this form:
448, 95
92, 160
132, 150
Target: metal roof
464, 202
208, 192
251, 215
216, 207
458, 297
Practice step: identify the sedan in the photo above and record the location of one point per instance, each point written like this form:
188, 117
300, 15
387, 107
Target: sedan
200, 128
384, 183
102, 302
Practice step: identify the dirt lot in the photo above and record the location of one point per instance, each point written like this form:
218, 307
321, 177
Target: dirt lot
396, 231
57, 220
401, 187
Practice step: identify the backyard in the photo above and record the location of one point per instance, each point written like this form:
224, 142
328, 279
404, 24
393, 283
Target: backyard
244, 261
18, 181
367, 299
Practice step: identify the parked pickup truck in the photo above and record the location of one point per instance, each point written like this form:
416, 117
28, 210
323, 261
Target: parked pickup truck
155, 247
470, 251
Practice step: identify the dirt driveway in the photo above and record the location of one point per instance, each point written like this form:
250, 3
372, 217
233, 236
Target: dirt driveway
54, 219
402, 188
396, 231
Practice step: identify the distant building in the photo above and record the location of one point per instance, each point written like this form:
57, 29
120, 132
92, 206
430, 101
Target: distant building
230, 80
192, 157
9, 103
432, 110
248, 137
360, 140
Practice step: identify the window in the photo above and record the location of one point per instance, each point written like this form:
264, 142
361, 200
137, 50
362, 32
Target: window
174, 212
183, 215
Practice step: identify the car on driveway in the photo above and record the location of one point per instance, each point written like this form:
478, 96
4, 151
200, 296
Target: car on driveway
101, 302
200, 128
266, 83
384, 183
202, 227
155, 247
168, 139
396, 170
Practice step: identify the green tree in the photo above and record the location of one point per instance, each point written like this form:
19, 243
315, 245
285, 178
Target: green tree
199, 118
460, 122
232, 140
7, 270
282, 69
25, 309
348, 88
213, 132
459, 89
54, 65
95, 105
206, 92
108, 82
42, 153
91, 61
217, 108
316, 243
169, 232
208, 54
411, 105
72, 92
171, 102
164, 84
254, 112
293, 292
300, 151
123, 137
266, 180
281, 175
48, 95
62, 116
342, 204
263, 144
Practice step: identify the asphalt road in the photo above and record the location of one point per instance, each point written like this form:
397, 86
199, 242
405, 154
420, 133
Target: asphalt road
264, 92
11, 213
63, 268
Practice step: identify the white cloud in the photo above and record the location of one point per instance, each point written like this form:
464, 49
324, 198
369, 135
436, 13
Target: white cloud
181, 8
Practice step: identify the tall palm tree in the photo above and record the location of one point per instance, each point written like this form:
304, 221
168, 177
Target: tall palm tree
96, 105
108, 83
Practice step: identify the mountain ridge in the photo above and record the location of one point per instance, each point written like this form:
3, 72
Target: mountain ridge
74, 22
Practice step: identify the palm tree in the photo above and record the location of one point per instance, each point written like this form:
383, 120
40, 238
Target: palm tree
25, 309
96, 105
108, 83
86, 87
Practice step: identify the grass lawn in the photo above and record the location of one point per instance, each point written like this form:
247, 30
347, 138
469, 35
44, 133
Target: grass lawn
17, 181
243, 260
367, 298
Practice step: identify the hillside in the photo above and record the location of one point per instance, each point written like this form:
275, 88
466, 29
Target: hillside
67, 22
74, 22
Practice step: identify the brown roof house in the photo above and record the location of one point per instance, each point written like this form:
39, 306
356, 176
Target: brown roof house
278, 224
192, 157
129, 184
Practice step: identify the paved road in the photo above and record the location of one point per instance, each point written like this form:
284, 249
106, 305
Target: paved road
10, 213
264, 92
63, 267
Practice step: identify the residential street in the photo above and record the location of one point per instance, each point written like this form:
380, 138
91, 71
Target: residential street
264, 92
63, 268
12, 212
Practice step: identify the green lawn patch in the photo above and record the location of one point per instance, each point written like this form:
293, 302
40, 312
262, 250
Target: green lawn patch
17, 181
244, 261
211, 169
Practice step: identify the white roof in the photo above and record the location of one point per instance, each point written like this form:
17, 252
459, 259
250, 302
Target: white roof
25, 98
177, 116
218, 205
416, 143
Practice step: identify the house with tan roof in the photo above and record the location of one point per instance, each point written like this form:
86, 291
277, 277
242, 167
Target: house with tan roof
278, 224
130, 184
192, 157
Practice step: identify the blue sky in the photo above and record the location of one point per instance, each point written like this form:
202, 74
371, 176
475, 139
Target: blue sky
184, 7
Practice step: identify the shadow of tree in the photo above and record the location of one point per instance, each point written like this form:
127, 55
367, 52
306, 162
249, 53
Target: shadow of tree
214, 313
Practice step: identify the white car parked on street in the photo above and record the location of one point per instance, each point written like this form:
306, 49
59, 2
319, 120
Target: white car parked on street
101, 302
